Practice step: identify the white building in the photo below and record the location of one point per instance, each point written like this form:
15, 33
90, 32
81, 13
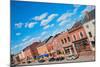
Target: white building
89, 26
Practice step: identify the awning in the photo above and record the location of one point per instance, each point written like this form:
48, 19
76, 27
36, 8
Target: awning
44, 55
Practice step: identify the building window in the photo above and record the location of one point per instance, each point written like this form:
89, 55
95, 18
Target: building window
58, 52
81, 35
67, 51
93, 23
90, 34
65, 40
17, 58
74, 37
93, 43
62, 41
68, 39
87, 26
85, 43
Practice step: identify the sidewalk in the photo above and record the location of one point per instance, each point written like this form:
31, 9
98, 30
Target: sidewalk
85, 56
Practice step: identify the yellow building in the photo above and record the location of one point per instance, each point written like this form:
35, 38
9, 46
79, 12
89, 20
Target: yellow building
42, 49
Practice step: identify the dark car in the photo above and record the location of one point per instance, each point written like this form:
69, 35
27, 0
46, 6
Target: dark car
61, 58
41, 61
51, 59
29, 62
57, 59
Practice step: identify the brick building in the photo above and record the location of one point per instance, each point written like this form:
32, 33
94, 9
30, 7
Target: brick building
31, 52
78, 37
63, 45
16, 59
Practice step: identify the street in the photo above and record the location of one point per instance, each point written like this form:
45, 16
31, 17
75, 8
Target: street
81, 58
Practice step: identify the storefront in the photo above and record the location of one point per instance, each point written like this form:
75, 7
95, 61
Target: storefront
82, 45
70, 52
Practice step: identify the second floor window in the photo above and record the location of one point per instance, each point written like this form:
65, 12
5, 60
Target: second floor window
68, 39
62, 41
74, 37
90, 34
65, 40
93, 23
87, 26
81, 35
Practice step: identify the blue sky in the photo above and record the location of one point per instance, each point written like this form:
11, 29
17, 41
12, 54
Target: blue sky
36, 21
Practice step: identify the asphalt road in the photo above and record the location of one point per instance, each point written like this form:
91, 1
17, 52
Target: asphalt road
80, 59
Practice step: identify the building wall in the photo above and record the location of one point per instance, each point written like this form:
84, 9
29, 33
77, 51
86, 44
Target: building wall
49, 46
77, 34
28, 53
33, 48
57, 44
90, 27
35, 52
59, 41
21, 55
42, 50
65, 39
80, 42
68, 44
16, 59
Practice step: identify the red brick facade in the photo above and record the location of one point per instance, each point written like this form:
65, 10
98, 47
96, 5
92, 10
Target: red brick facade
78, 37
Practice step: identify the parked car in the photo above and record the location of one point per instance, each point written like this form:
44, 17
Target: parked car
23, 62
61, 58
41, 61
57, 59
72, 57
29, 62
51, 59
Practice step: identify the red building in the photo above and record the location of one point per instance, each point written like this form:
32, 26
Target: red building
31, 52
16, 59
49, 45
78, 37
63, 46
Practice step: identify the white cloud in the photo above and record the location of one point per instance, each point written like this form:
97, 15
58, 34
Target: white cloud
28, 42
51, 25
26, 38
62, 22
16, 46
25, 43
19, 25
88, 8
18, 34
52, 16
56, 32
26, 25
64, 16
48, 26
43, 33
75, 10
76, 7
30, 25
46, 21
41, 17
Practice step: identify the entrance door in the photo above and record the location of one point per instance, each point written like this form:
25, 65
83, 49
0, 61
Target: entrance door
69, 50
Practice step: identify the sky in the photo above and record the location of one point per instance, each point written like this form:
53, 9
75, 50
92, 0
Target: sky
36, 21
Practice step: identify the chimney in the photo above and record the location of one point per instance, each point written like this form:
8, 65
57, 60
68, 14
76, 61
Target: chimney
87, 15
